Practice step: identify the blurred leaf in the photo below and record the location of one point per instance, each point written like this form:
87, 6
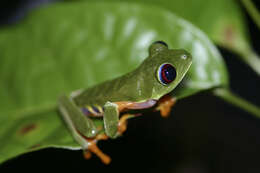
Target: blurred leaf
221, 20
69, 46
252, 11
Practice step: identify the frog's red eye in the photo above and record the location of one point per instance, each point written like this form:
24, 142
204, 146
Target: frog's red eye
166, 73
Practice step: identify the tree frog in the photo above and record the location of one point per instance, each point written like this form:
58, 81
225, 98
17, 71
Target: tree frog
101, 112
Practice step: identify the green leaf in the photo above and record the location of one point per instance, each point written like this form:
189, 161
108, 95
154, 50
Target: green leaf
252, 10
69, 46
222, 20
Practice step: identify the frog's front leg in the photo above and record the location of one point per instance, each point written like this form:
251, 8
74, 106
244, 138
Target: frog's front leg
165, 105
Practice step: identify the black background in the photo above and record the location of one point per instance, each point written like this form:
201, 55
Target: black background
204, 134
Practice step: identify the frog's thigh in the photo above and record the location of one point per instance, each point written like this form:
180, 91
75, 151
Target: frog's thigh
75, 119
111, 119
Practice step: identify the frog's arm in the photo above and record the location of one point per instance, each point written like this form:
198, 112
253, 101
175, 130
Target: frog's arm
165, 105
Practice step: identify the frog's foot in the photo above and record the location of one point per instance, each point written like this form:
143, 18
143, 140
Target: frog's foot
122, 124
165, 104
93, 148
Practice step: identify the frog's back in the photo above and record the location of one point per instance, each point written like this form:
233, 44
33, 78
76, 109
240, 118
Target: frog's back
115, 90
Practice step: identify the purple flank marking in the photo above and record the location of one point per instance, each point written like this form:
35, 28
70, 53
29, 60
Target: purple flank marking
85, 111
95, 109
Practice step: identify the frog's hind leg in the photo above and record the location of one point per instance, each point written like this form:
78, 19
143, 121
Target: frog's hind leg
122, 124
111, 119
76, 121
165, 105
93, 148
82, 129
113, 125
92, 142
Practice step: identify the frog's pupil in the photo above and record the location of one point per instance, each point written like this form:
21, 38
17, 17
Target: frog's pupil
167, 73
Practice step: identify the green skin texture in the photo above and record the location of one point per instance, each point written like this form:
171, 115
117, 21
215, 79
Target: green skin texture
138, 86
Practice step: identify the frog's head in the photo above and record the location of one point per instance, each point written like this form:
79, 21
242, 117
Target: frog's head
164, 69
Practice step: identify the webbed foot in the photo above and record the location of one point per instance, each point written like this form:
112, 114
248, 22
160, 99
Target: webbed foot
93, 148
165, 104
122, 124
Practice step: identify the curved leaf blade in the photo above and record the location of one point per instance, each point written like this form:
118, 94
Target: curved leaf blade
223, 22
55, 52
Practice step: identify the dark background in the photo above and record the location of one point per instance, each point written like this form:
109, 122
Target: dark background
204, 134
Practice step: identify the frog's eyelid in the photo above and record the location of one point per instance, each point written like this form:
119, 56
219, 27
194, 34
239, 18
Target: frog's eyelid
161, 42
